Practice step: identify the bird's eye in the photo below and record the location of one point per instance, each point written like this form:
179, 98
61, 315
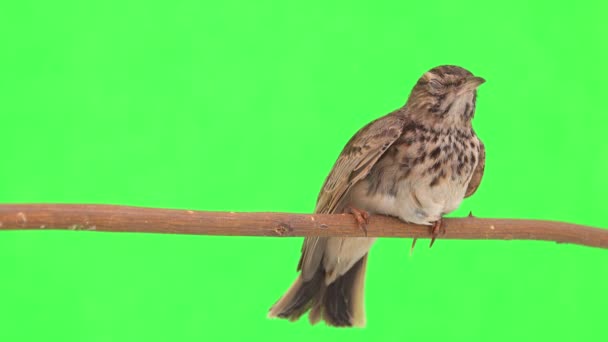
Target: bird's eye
435, 85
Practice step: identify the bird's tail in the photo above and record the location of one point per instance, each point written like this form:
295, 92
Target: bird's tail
339, 303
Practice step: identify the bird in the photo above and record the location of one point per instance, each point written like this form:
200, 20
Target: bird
416, 163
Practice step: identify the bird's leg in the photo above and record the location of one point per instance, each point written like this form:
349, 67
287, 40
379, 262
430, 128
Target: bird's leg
436, 230
413, 245
361, 216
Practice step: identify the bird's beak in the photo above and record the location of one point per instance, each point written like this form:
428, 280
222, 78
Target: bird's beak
474, 81
471, 84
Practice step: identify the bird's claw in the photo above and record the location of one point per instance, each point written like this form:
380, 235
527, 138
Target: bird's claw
413, 245
436, 230
362, 218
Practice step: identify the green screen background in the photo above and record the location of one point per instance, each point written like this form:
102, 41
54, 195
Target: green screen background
244, 106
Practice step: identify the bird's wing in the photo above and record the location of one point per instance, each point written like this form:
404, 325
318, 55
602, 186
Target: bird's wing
354, 163
478, 172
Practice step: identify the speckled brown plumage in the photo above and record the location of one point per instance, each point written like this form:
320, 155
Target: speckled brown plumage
416, 163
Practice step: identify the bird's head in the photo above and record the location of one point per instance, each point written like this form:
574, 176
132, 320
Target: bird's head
445, 95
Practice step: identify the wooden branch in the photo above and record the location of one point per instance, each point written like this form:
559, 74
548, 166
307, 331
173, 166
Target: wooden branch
113, 218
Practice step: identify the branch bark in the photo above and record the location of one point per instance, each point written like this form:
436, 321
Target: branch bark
114, 218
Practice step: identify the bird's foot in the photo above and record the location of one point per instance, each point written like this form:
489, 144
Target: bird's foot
361, 216
436, 230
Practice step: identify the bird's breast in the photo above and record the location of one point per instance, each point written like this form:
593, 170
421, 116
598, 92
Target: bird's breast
421, 177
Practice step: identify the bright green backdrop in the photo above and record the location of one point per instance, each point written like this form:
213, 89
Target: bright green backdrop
244, 106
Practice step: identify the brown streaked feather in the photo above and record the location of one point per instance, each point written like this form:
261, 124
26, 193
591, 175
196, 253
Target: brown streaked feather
312, 253
343, 299
478, 173
301, 296
357, 158
354, 163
